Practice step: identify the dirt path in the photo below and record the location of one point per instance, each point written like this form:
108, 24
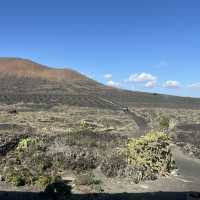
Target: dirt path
140, 121
189, 168
188, 179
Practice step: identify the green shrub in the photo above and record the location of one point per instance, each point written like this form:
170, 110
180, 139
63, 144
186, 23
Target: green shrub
152, 153
25, 143
144, 158
43, 181
18, 177
28, 164
17, 180
164, 122
23, 176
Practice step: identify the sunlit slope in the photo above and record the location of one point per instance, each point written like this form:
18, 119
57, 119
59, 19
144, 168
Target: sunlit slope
26, 81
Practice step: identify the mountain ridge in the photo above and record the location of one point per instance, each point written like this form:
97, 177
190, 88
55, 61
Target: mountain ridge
22, 80
28, 68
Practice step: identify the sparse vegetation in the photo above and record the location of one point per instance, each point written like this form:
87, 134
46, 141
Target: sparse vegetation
54, 142
152, 152
113, 164
164, 122
42, 156
144, 158
18, 177
75, 158
25, 143
43, 181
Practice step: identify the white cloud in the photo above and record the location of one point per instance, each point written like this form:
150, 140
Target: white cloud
113, 84
172, 84
150, 84
143, 77
108, 76
194, 85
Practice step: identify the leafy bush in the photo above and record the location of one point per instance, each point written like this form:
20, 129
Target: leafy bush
18, 177
25, 143
152, 153
43, 181
31, 154
27, 164
164, 122
152, 150
144, 158
23, 176
17, 180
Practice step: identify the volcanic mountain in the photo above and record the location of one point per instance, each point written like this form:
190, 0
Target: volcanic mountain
25, 81
22, 68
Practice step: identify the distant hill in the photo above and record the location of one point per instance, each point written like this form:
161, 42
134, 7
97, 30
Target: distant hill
29, 82
22, 68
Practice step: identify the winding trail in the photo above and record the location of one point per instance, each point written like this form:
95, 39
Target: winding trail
140, 121
189, 168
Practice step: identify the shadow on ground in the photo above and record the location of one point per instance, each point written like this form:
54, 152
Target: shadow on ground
6, 195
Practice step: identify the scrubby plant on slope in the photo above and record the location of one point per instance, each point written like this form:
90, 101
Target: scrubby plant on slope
112, 164
26, 164
144, 158
164, 122
35, 161
151, 151
25, 143
31, 163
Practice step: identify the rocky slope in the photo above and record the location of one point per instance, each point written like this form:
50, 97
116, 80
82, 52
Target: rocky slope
26, 81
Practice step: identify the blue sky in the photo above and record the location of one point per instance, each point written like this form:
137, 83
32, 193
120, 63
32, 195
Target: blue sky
143, 45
